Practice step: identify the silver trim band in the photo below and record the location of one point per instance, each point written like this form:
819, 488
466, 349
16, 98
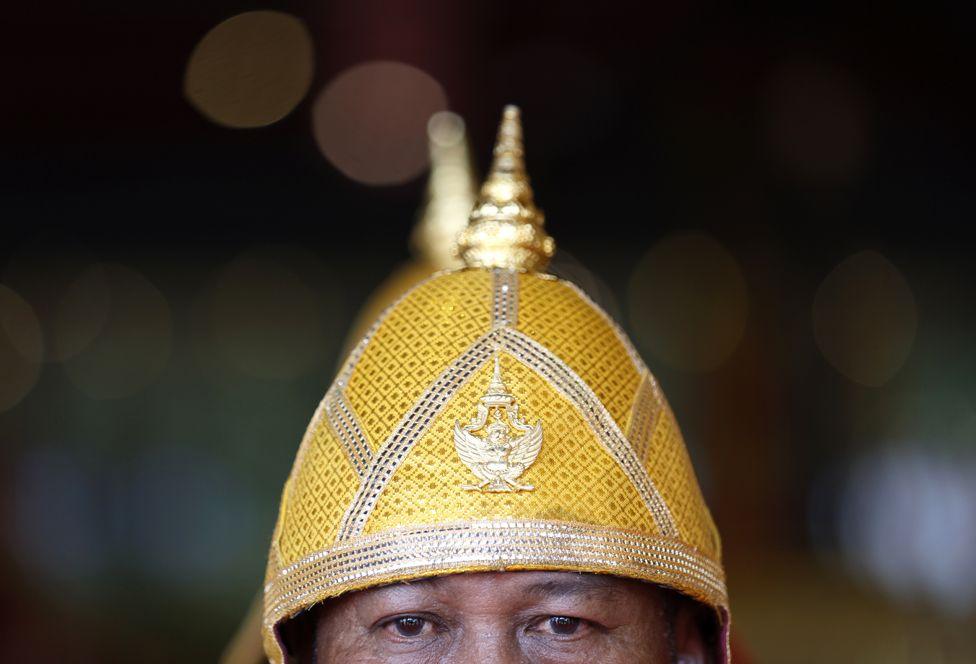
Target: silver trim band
409, 430
346, 427
417, 551
574, 388
504, 306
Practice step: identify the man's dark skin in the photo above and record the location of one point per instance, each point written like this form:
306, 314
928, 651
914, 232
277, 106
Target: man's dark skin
505, 618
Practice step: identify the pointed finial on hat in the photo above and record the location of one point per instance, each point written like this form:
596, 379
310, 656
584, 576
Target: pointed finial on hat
497, 385
506, 229
451, 189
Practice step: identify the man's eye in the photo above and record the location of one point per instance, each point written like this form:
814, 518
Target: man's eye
408, 626
562, 625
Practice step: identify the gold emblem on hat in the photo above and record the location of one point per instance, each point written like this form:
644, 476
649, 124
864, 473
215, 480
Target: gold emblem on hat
507, 445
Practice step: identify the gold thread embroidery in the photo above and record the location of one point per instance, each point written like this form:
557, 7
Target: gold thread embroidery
407, 552
416, 422
346, 427
624, 340
342, 378
565, 381
409, 430
496, 458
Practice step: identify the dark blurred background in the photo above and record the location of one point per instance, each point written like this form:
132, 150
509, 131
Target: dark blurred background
774, 199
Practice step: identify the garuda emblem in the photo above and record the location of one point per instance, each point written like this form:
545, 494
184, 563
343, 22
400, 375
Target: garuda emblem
507, 445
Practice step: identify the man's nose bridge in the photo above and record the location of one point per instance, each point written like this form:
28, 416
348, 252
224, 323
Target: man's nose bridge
496, 644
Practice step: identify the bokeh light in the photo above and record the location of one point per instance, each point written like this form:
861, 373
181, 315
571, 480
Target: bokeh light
445, 129
688, 302
251, 70
21, 348
81, 313
46, 273
816, 122
134, 343
264, 317
864, 318
370, 122
190, 536
908, 521
56, 517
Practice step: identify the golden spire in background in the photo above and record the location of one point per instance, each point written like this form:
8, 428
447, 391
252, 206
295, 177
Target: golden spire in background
506, 228
450, 196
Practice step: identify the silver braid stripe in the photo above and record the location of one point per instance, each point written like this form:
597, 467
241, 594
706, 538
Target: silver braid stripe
346, 427
410, 429
570, 385
504, 308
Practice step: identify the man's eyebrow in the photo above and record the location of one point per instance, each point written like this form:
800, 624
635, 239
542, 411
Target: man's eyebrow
407, 588
594, 586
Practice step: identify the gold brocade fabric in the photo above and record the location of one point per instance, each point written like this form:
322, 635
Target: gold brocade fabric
416, 341
585, 486
404, 277
379, 494
551, 313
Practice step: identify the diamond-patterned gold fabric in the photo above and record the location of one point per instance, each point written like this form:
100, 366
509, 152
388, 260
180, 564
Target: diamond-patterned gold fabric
551, 313
313, 500
582, 484
671, 470
614, 489
417, 340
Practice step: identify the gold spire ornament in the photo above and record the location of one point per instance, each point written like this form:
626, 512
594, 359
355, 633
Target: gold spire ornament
441, 391
506, 229
496, 458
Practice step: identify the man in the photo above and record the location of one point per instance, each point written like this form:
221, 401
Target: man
557, 617
406, 535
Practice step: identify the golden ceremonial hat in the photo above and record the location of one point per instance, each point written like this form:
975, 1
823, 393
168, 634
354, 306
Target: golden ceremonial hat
492, 418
